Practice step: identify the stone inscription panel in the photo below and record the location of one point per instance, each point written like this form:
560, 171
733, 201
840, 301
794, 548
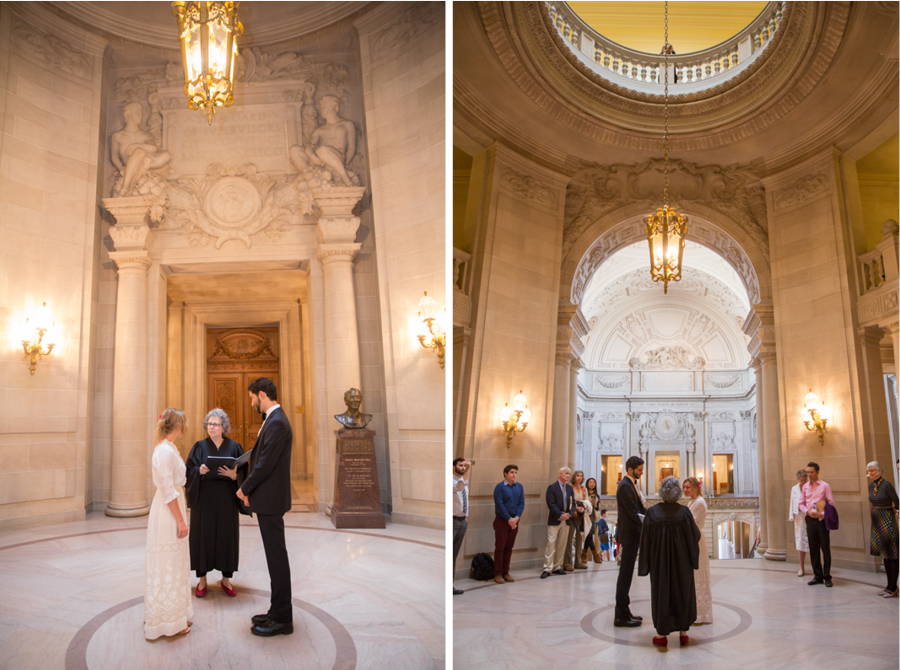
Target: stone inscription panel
258, 134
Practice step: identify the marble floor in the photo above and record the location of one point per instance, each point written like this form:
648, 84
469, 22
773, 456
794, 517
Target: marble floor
73, 599
765, 617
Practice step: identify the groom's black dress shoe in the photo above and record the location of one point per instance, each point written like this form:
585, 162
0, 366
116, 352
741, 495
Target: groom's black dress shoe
260, 619
271, 628
626, 623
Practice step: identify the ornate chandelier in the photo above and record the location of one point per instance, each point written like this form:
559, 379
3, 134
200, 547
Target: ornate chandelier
666, 228
208, 33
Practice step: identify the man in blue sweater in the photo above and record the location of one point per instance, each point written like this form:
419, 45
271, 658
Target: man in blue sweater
509, 503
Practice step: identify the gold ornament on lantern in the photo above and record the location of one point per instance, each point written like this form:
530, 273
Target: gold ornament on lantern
208, 33
666, 229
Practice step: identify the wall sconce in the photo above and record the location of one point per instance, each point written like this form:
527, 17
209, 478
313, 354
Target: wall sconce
515, 419
33, 332
816, 415
431, 329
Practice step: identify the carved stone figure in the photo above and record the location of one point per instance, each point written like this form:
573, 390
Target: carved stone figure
332, 145
353, 418
134, 153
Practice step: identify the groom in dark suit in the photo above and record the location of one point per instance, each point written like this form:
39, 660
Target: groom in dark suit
269, 487
628, 531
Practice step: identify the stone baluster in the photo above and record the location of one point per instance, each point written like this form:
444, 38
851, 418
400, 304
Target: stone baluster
130, 235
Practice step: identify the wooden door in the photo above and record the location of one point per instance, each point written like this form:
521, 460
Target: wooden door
238, 356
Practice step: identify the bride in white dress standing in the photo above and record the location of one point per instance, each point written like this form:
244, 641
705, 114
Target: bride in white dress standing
167, 603
697, 505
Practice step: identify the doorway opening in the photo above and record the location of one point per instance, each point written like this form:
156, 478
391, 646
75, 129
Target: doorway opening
734, 539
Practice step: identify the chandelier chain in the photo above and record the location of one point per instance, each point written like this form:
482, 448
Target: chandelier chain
666, 101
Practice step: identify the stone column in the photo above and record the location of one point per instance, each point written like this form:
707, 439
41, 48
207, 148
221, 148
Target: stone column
876, 424
559, 435
573, 410
128, 493
775, 512
761, 458
336, 233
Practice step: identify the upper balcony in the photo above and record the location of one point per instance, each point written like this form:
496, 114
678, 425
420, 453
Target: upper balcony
688, 73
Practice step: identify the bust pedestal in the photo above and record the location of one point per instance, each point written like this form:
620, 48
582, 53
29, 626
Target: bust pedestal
356, 500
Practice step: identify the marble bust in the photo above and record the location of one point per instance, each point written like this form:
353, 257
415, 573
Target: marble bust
331, 145
134, 152
353, 418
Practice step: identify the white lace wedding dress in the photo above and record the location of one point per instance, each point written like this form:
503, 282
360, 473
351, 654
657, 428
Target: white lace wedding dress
701, 575
167, 603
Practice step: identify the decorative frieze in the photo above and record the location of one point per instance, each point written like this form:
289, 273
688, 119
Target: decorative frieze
52, 50
528, 187
800, 190
421, 17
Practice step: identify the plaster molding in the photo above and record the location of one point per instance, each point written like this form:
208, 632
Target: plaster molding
415, 21
803, 189
52, 50
528, 187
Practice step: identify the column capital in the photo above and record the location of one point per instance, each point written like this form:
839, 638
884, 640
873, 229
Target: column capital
329, 253
127, 238
131, 260
767, 356
338, 201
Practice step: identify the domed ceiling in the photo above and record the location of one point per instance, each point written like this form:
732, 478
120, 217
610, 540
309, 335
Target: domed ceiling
631, 320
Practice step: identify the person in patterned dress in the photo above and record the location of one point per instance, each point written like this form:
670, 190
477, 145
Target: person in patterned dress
884, 502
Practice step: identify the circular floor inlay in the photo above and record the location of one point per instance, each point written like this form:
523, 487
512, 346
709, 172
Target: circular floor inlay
345, 649
587, 625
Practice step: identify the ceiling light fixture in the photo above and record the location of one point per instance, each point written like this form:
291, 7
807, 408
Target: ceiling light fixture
666, 229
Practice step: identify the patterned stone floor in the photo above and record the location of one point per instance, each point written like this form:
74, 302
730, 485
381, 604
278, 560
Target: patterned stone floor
765, 617
73, 599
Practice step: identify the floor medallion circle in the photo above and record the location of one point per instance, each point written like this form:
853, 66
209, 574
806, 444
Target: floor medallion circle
587, 625
344, 648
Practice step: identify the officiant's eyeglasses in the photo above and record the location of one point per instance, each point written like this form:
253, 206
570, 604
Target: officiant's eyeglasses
213, 425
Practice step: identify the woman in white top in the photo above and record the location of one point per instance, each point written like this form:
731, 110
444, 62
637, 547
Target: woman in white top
799, 519
576, 529
167, 602
697, 505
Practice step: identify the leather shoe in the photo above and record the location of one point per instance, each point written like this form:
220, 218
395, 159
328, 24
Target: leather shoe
230, 592
508, 577
828, 583
559, 572
814, 582
545, 574
199, 592
637, 618
271, 628
260, 619
457, 592
626, 623
499, 579
660, 640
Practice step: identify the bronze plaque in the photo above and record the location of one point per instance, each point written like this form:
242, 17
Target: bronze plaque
357, 503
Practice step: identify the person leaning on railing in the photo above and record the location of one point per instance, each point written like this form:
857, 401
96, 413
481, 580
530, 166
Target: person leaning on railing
669, 50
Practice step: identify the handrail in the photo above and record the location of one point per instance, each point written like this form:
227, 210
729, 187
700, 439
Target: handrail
608, 57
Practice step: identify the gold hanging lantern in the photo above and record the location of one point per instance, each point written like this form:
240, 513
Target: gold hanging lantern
667, 228
208, 33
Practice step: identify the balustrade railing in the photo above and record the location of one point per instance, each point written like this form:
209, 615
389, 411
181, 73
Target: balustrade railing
879, 266
871, 269
691, 68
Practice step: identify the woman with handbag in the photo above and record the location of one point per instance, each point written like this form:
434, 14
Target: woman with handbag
884, 502
593, 536
215, 531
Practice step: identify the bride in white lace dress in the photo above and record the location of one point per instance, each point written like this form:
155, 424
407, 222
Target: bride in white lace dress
167, 603
697, 505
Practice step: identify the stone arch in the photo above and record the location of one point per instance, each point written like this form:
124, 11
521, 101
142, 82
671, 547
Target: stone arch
746, 252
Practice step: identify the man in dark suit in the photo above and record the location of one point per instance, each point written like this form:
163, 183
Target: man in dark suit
561, 503
268, 486
628, 532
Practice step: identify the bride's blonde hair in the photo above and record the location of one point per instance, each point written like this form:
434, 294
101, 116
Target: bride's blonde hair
168, 421
696, 483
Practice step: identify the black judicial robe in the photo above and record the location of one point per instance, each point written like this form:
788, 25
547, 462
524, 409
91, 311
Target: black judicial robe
670, 553
215, 534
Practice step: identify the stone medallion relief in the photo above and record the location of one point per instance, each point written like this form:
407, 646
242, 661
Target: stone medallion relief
252, 174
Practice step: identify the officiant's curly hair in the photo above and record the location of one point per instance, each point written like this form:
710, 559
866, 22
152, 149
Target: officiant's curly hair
670, 490
223, 416
168, 421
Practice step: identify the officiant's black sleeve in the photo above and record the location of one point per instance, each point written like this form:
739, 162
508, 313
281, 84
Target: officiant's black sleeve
192, 470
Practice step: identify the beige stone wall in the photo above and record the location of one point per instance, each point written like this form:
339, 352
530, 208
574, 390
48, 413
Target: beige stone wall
50, 100
515, 226
819, 344
402, 57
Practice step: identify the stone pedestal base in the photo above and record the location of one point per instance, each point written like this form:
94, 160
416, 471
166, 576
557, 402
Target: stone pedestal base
356, 500
127, 512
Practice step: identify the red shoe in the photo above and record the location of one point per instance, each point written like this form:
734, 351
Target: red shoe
199, 592
683, 639
231, 593
661, 641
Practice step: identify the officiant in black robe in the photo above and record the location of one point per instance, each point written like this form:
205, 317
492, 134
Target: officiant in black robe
215, 534
670, 552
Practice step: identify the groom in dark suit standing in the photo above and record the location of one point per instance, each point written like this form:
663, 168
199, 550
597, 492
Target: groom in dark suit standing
628, 531
269, 486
